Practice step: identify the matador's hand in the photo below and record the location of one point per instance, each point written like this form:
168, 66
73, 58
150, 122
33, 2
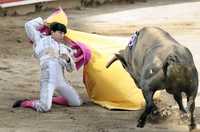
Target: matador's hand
65, 57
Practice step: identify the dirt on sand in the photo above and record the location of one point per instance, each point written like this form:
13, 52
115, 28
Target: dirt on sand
19, 71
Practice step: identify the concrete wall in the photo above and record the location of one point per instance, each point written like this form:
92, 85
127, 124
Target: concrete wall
24, 9
64, 4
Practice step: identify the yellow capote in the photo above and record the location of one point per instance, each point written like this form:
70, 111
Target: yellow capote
58, 16
112, 88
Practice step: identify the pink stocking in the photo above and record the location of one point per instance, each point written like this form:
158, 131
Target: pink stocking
28, 104
59, 100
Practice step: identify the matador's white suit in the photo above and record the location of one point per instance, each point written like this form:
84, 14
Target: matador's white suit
48, 52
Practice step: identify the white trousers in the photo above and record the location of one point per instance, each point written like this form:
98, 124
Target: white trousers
52, 78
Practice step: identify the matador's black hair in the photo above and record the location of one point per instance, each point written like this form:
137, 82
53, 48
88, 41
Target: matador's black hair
56, 26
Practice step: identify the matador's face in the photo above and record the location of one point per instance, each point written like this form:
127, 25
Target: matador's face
57, 35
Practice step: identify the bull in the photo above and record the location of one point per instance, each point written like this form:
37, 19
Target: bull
156, 61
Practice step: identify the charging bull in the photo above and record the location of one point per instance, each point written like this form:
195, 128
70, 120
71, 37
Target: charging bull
156, 61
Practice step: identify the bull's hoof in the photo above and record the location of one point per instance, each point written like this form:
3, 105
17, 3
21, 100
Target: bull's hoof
193, 126
140, 124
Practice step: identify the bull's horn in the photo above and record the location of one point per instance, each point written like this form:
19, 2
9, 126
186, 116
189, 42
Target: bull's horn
111, 61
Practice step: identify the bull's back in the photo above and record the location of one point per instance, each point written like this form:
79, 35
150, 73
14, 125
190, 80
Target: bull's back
150, 37
153, 47
153, 41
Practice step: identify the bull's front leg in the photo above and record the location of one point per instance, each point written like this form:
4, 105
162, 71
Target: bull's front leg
150, 81
148, 96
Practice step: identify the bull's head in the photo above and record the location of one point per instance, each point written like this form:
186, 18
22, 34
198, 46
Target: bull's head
118, 56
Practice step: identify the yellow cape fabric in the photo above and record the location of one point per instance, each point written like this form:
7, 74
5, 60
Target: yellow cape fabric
112, 88
58, 16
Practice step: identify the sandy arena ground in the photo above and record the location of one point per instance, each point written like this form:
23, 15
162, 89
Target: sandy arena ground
19, 71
